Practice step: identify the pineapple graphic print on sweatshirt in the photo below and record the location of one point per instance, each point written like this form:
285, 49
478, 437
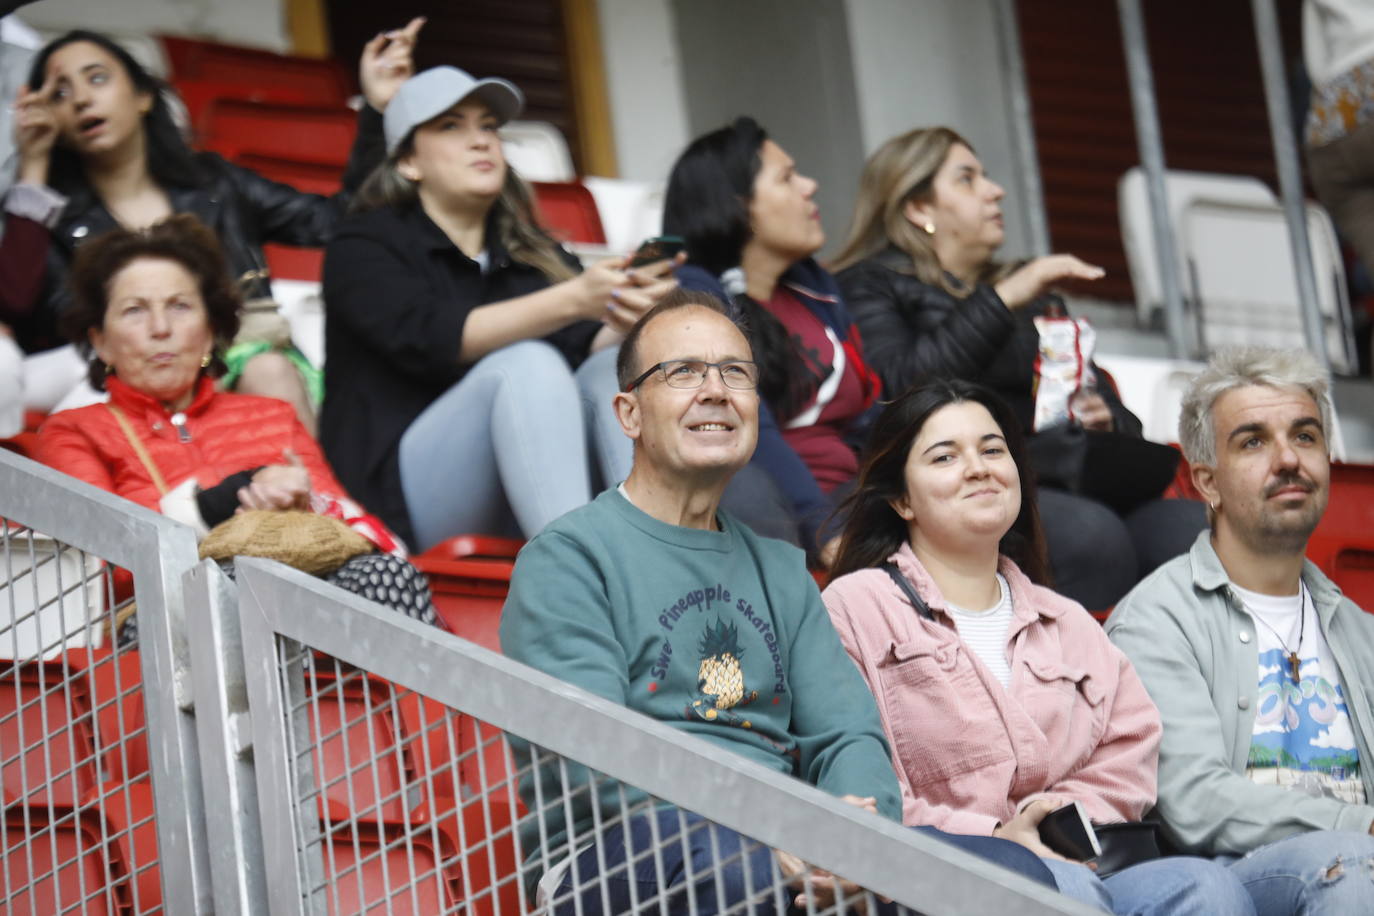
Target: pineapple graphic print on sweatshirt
720, 677
704, 631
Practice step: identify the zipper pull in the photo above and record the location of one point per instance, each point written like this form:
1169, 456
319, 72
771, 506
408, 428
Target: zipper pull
179, 421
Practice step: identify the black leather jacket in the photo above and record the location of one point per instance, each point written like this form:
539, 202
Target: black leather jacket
245, 210
911, 329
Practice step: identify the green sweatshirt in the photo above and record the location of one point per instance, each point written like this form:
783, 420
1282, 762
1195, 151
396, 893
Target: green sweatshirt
719, 633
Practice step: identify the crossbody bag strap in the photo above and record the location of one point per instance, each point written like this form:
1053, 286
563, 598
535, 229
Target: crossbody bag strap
907, 589
139, 449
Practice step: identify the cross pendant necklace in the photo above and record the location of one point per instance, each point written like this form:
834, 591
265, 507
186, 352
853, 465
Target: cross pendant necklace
1294, 663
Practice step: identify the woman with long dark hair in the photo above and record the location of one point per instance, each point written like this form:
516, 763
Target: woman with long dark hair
919, 270
752, 228
99, 149
1001, 700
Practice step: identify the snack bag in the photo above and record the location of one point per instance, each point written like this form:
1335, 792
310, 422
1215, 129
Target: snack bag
1063, 367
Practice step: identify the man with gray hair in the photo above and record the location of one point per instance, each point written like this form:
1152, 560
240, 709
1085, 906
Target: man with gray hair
1262, 670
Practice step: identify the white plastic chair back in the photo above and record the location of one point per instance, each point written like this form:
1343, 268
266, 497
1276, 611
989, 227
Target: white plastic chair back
1240, 264
303, 307
1181, 189
631, 211
538, 151
49, 598
1152, 389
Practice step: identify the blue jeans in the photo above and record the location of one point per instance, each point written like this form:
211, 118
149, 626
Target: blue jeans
504, 450
722, 868
611, 452
1172, 886
1316, 873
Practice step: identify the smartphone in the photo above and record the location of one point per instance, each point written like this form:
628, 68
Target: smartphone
1068, 832
660, 248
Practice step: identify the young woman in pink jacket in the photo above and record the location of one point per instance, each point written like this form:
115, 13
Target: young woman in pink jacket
1002, 700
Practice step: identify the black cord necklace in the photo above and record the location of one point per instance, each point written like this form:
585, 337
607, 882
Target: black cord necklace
1293, 661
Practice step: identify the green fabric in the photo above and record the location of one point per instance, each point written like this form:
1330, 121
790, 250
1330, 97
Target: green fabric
238, 355
628, 607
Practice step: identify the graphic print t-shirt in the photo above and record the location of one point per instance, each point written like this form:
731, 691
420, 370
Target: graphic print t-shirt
1303, 739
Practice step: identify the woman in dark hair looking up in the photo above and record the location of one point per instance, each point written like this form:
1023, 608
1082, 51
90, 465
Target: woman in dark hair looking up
752, 227
99, 150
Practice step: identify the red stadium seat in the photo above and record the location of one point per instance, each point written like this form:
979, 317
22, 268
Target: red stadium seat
54, 864
1343, 544
306, 133
198, 95
360, 767
488, 876
117, 699
47, 741
321, 81
380, 871
128, 812
287, 263
311, 177
469, 576
568, 211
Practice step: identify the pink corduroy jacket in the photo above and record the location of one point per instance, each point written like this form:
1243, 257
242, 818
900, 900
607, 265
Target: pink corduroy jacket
1076, 722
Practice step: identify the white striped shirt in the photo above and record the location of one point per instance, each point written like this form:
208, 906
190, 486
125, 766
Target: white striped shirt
985, 632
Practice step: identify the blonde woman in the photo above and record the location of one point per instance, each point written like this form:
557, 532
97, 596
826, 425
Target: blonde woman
920, 274
455, 324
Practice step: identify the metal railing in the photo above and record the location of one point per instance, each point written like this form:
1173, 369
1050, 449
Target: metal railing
285, 747
1287, 158
386, 783
95, 736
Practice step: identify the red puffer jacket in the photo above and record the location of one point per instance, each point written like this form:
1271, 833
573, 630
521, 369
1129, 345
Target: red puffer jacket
218, 435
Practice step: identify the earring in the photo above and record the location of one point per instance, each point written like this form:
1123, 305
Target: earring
205, 361
929, 227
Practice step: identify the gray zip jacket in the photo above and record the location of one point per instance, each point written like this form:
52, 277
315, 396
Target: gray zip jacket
1193, 644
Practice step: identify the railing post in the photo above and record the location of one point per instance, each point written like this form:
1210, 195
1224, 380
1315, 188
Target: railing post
1290, 173
1022, 125
157, 551
233, 827
1151, 145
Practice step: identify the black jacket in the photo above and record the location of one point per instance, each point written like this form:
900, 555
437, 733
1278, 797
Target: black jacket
397, 293
913, 329
245, 210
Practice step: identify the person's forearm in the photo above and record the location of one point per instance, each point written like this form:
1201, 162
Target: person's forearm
499, 324
606, 337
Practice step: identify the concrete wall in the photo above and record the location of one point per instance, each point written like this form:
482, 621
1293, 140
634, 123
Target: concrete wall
830, 79
644, 81
937, 62
256, 23
788, 64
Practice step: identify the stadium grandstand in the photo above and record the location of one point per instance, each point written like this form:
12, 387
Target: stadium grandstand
273, 743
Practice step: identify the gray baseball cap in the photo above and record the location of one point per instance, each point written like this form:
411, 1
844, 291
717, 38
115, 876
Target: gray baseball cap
431, 93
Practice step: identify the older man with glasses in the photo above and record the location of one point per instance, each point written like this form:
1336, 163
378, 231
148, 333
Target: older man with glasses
654, 598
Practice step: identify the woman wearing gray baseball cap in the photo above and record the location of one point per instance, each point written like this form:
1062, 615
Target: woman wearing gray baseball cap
454, 326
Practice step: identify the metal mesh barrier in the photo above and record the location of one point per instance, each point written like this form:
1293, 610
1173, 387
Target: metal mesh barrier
400, 769
79, 829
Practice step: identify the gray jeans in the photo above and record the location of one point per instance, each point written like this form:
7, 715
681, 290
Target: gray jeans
505, 450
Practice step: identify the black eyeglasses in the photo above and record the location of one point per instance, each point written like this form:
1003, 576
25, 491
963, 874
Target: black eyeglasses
741, 374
